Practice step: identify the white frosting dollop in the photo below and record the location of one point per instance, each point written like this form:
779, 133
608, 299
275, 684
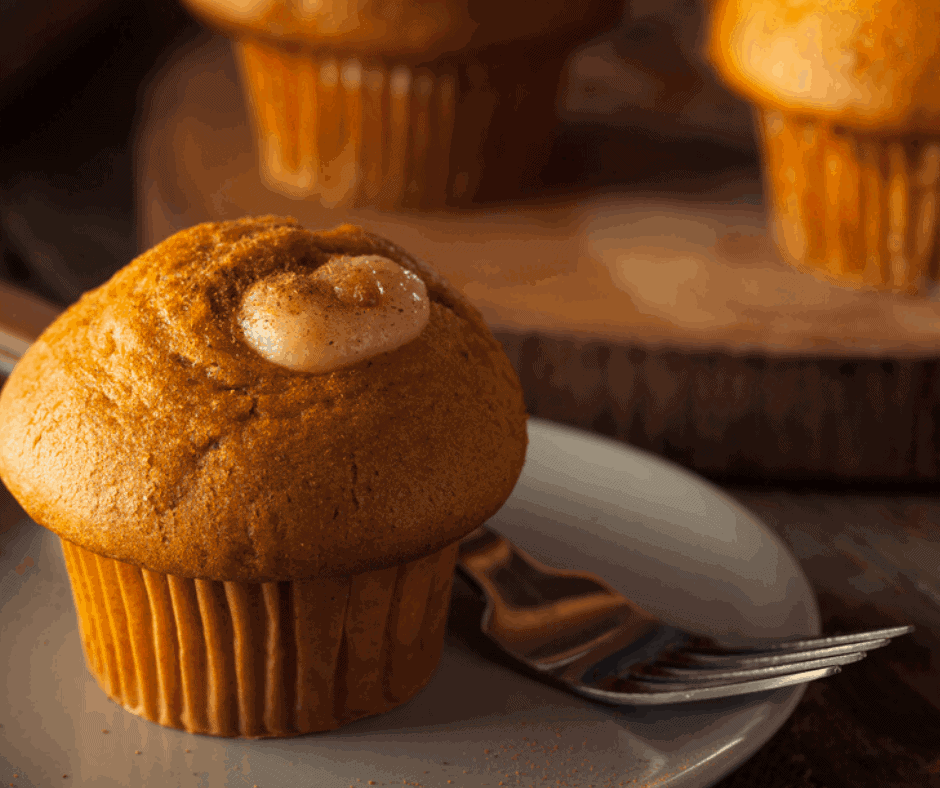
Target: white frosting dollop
348, 310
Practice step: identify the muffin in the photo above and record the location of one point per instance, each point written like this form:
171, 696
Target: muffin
260, 446
399, 105
847, 96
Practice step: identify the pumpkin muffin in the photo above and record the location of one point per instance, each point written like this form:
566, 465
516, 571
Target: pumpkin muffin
260, 446
403, 105
847, 94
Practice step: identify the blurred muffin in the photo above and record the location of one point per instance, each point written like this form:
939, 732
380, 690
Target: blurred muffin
260, 446
400, 104
848, 100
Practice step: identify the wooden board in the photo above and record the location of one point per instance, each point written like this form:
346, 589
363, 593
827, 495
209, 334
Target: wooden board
664, 319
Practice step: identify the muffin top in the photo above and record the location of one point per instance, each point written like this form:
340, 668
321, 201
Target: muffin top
409, 30
865, 63
194, 415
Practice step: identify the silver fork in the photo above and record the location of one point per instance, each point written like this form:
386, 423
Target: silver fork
574, 629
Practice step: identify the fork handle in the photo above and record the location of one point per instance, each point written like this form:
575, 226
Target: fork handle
480, 556
512, 579
507, 575
542, 614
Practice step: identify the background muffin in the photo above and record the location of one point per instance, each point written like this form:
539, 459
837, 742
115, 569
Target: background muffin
848, 102
407, 104
229, 522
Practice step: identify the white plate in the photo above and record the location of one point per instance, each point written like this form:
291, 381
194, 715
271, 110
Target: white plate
663, 536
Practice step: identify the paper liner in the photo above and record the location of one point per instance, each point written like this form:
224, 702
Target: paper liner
260, 659
348, 132
367, 132
856, 207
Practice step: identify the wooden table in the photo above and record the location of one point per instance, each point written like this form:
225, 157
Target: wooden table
873, 560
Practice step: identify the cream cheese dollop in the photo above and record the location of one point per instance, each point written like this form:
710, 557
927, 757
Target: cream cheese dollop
347, 310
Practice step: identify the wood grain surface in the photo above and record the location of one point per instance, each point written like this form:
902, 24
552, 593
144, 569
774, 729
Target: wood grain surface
742, 416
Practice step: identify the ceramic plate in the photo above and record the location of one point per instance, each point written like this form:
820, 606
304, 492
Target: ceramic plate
663, 536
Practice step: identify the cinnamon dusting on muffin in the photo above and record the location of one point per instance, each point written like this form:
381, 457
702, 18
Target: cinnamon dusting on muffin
355, 285
348, 310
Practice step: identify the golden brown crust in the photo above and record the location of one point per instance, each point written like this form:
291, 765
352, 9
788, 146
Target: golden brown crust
869, 64
142, 427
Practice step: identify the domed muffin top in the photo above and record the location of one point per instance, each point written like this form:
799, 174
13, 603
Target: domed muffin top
161, 420
865, 63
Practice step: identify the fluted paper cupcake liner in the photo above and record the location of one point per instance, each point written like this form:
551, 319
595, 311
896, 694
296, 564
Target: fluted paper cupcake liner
857, 207
350, 132
368, 132
260, 659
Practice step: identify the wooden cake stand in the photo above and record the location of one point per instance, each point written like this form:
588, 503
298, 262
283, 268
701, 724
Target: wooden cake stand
665, 320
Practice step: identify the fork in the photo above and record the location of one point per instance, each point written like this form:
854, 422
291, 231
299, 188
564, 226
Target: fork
575, 630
